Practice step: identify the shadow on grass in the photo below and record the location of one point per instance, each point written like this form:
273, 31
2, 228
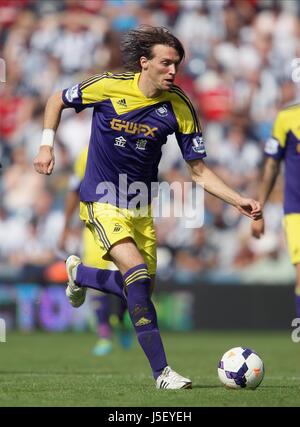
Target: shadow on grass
198, 386
294, 386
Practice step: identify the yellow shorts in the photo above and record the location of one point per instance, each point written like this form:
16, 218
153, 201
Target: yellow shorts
110, 224
292, 230
92, 253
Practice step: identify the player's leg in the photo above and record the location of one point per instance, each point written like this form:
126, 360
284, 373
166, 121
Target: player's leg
100, 303
143, 314
114, 229
100, 219
292, 229
82, 276
131, 264
123, 330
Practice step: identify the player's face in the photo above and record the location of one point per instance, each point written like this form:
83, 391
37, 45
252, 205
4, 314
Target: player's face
161, 70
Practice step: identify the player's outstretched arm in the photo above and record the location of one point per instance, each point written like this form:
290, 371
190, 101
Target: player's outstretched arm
205, 177
44, 161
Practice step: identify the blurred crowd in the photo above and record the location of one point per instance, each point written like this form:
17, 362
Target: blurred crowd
238, 74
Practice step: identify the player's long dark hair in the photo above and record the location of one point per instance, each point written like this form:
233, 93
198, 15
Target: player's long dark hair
139, 42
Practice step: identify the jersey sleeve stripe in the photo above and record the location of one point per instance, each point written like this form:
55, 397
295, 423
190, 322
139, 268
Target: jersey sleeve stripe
92, 80
127, 74
99, 77
191, 108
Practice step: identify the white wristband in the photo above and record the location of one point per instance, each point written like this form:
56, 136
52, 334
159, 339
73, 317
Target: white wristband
48, 137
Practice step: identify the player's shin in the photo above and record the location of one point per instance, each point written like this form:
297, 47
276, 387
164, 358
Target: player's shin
110, 282
101, 306
143, 317
121, 310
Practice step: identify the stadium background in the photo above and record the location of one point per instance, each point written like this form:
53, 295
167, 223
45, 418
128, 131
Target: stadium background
238, 73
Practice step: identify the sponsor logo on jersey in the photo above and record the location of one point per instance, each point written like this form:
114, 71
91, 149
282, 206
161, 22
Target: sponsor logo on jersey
133, 128
122, 102
162, 111
198, 144
120, 141
72, 93
141, 144
272, 146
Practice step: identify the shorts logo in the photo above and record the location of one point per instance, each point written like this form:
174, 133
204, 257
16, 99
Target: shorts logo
117, 228
162, 111
198, 144
133, 128
72, 93
272, 146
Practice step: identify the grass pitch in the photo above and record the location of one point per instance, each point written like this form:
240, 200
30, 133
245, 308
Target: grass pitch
47, 369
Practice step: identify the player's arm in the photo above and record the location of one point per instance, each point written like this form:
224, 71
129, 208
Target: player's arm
270, 173
80, 96
205, 177
44, 161
275, 151
190, 140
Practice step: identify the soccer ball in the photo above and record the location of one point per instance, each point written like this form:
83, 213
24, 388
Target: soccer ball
241, 368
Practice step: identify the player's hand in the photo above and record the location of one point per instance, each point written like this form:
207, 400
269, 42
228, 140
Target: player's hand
44, 161
258, 228
250, 208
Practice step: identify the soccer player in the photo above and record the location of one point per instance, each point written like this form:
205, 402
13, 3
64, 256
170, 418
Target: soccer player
134, 112
284, 145
92, 256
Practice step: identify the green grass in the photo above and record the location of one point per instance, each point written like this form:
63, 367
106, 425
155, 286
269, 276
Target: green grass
46, 369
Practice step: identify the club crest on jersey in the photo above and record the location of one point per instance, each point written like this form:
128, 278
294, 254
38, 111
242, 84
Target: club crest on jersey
162, 111
141, 144
198, 144
72, 93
